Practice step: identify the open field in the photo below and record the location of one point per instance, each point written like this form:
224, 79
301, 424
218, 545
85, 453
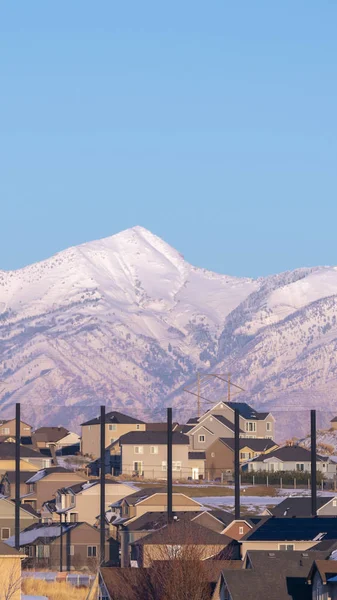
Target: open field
53, 590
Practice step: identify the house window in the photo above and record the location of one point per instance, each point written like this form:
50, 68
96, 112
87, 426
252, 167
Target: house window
42, 551
138, 467
240, 530
45, 464
26, 428
173, 551
138, 449
245, 455
5, 431
176, 465
71, 550
213, 454
89, 427
268, 426
164, 465
91, 551
5, 533
154, 450
137, 426
73, 517
201, 438
250, 426
299, 466
334, 503
31, 488
112, 427
286, 547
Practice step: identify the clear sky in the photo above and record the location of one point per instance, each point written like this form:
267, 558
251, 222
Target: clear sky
213, 124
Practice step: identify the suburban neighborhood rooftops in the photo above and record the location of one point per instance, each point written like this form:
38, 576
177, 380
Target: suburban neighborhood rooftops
152, 437
50, 434
45, 472
298, 507
40, 530
114, 417
139, 495
289, 454
10, 475
77, 488
160, 426
256, 444
197, 455
301, 529
326, 568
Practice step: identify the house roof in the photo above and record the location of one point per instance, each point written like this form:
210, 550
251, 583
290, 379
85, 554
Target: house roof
184, 532
298, 506
247, 412
45, 472
293, 529
193, 421
333, 420
50, 434
77, 488
41, 530
289, 454
225, 421
118, 578
6, 550
152, 521
256, 444
143, 493
213, 568
7, 451
197, 456
160, 426
10, 475
326, 568
184, 428
153, 437
274, 575
114, 417
28, 508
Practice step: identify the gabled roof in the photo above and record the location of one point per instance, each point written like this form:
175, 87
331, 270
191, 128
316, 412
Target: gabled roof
6, 550
256, 444
10, 475
151, 521
298, 506
327, 570
78, 488
247, 412
152, 437
296, 529
39, 530
114, 417
28, 508
333, 420
7, 451
289, 454
160, 426
143, 493
117, 579
193, 421
50, 434
184, 532
42, 473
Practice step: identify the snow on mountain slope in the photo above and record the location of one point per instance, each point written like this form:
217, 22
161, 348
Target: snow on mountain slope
123, 320
128, 322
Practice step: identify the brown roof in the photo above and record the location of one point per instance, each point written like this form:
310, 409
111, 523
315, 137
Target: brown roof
184, 532
213, 568
325, 568
50, 434
7, 550
116, 579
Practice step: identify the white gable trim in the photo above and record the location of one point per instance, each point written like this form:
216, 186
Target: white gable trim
201, 427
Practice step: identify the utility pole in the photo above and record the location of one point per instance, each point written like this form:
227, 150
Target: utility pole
237, 462
313, 464
169, 466
17, 475
102, 477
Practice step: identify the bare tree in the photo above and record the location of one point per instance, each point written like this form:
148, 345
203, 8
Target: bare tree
10, 588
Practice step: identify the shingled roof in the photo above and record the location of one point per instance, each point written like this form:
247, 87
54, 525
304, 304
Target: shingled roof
114, 417
298, 506
185, 532
152, 437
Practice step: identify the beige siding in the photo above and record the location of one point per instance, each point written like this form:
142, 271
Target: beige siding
152, 463
246, 546
90, 443
47, 487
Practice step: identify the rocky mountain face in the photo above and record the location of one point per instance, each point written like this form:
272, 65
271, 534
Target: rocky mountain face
127, 322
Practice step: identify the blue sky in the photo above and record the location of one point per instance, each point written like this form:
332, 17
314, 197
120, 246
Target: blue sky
211, 124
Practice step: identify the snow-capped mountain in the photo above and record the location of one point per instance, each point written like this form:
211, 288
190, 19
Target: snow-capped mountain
126, 321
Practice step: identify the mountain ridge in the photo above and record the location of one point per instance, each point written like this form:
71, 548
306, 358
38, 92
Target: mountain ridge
126, 320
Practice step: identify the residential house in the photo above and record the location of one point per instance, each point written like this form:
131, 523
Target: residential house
220, 454
161, 426
218, 422
144, 454
280, 533
8, 428
10, 569
301, 507
334, 423
323, 580
30, 459
41, 544
173, 540
152, 500
292, 458
43, 485
279, 575
7, 517
116, 425
55, 437
81, 501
